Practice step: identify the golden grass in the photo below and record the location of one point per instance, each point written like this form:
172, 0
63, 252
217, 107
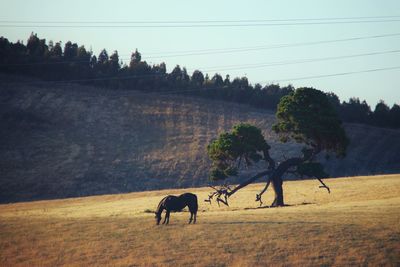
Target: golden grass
357, 224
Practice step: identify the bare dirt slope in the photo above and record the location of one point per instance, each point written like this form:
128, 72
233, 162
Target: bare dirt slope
69, 140
355, 225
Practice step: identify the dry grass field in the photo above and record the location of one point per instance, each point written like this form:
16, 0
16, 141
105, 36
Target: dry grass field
357, 224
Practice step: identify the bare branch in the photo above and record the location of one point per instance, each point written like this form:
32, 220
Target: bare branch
323, 185
240, 161
246, 159
223, 201
259, 196
267, 158
210, 197
218, 193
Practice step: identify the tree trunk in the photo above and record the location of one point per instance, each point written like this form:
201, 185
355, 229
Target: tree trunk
278, 189
276, 179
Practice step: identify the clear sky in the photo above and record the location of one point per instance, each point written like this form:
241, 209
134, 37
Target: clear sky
156, 43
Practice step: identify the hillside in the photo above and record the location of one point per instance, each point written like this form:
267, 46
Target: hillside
60, 141
355, 225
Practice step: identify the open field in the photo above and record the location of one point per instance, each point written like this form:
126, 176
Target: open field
357, 224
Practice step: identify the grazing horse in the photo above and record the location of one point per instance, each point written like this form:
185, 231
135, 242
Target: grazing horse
177, 203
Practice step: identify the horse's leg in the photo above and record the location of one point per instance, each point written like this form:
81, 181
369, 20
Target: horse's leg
193, 214
167, 216
191, 217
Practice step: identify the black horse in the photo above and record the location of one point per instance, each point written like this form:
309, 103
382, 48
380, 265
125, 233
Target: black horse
174, 203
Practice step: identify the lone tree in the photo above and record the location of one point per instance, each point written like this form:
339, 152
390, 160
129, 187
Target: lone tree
305, 116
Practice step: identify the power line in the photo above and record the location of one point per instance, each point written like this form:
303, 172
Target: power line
160, 75
163, 92
194, 21
277, 63
15, 25
290, 62
267, 47
332, 75
225, 50
126, 77
244, 66
131, 93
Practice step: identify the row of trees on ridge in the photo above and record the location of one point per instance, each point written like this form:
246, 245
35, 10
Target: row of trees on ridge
52, 62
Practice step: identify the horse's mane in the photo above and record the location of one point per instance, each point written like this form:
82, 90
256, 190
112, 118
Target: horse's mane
160, 204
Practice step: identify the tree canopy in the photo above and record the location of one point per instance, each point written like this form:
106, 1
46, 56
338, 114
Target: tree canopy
230, 150
308, 117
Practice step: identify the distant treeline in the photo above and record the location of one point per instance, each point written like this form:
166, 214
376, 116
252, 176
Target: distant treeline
49, 61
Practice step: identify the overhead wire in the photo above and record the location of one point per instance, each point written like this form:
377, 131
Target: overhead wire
267, 64
191, 26
223, 23
194, 21
256, 48
138, 76
291, 62
197, 24
227, 50
331, 75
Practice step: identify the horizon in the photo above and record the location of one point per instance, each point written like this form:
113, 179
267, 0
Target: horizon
364, 68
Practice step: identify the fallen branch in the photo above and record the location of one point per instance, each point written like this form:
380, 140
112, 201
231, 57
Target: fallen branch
218, 193
323, 185
259, 196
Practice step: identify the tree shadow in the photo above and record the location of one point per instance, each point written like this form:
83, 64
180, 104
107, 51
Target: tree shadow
272, 207
262, 222
244, 222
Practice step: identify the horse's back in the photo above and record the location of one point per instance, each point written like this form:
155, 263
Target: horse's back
188, 196
177, 203
191, 201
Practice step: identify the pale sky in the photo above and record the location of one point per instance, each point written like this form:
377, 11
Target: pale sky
155, 44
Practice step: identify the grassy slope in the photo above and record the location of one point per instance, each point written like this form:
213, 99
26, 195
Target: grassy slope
358, 224
60, 141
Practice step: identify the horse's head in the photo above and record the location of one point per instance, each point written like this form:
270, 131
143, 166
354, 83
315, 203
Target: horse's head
158, 218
